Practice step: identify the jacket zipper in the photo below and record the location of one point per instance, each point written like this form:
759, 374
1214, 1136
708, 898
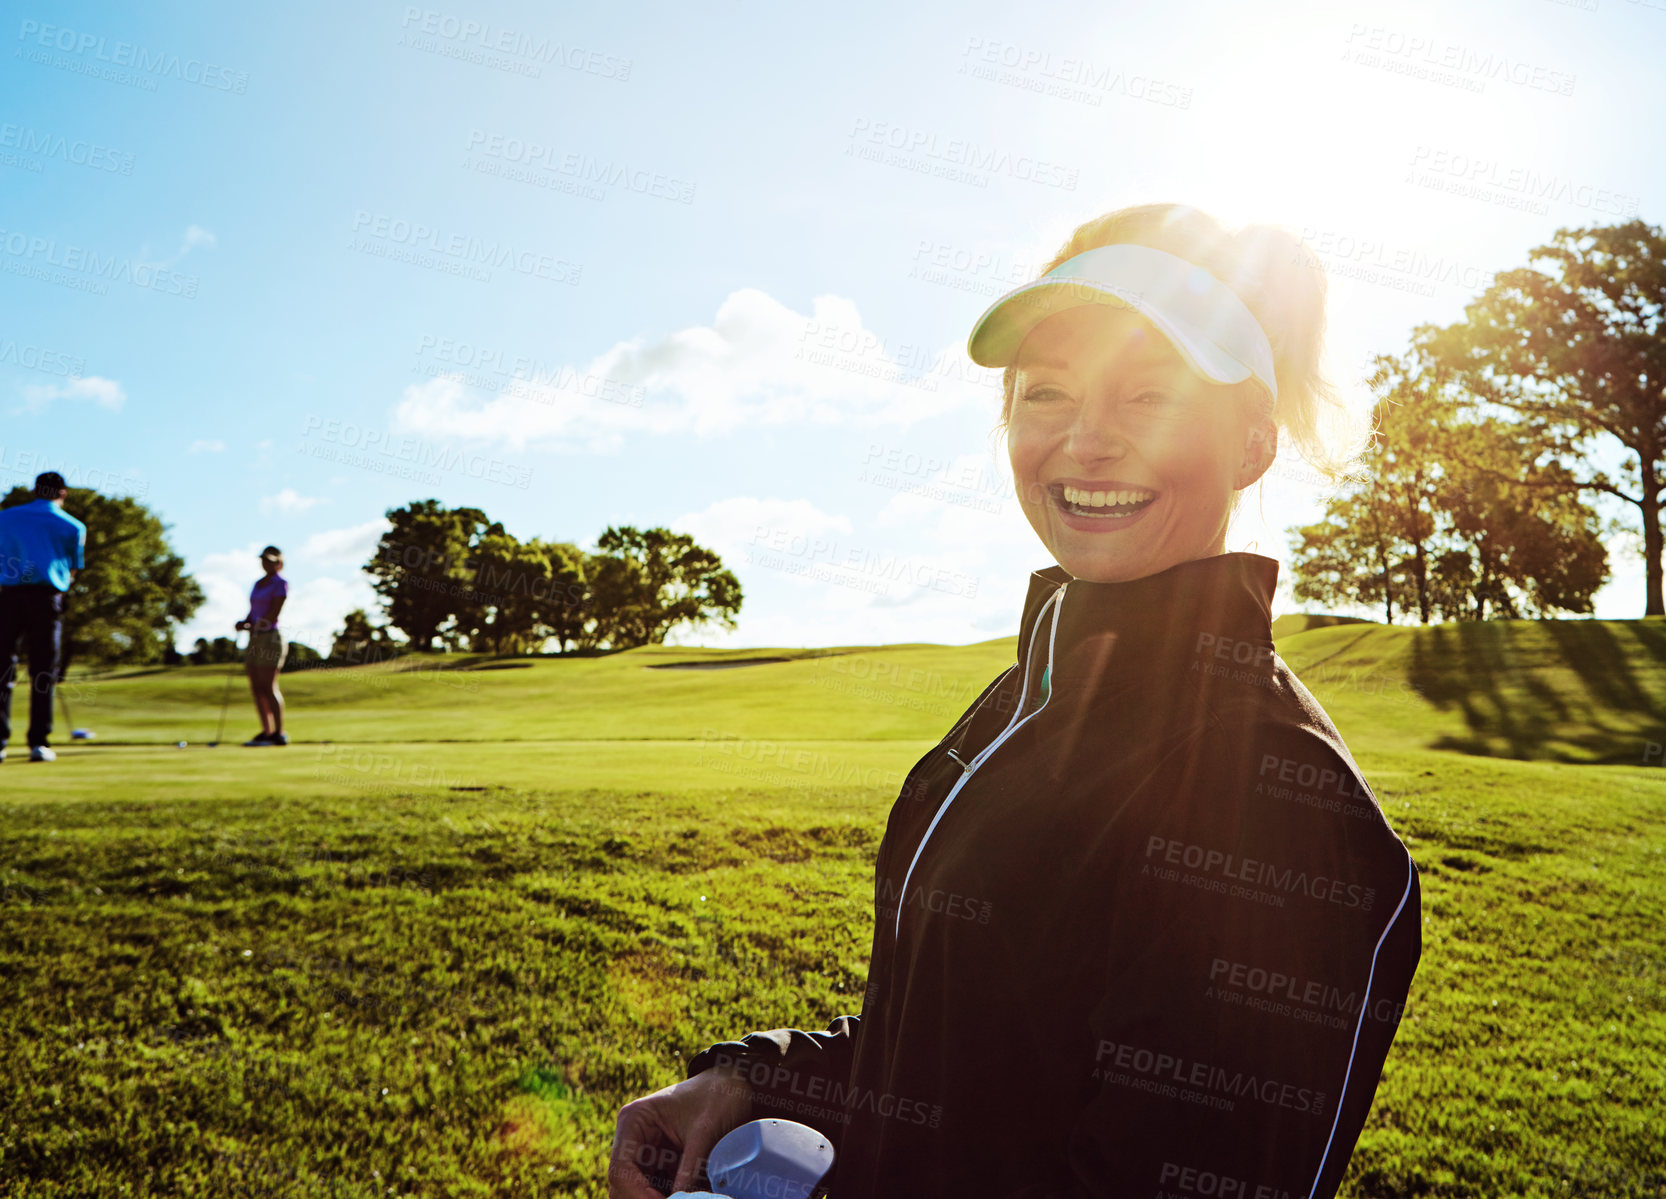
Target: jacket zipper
1019, 719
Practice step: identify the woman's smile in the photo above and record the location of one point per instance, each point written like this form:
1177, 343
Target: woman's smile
1100, 507
1125, 460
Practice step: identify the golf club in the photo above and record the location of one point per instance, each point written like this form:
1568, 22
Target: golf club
225, 699
75, 733
766, 1159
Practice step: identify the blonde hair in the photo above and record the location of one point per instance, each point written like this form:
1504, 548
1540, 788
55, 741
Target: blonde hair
1282, 284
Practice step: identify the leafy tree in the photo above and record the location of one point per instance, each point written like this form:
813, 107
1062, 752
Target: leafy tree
1373, 546
1521, 551
454, 575
1348, 556
301, 656
511, 583
566, 612
421, 571
1575, 353
525, 593
643, 583
621, 603
134, 591
361, 641
1442, 522
215, 653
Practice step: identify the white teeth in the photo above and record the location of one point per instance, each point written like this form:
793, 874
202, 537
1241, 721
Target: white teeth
1105, 499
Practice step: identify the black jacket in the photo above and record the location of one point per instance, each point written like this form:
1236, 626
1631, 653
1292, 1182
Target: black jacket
1145, 934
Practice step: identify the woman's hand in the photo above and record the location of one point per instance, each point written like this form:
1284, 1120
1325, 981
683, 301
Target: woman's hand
667, 1136
242, 624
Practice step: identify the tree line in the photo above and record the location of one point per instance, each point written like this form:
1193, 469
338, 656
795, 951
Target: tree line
223, 650
448, 578
452, 578
1494, 438
1439, 527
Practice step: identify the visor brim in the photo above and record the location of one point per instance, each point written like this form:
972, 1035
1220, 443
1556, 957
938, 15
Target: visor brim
1001, 331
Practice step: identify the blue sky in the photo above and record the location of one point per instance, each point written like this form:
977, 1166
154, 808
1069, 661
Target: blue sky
275, 272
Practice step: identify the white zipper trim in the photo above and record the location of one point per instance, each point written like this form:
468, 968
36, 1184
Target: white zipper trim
1056, 602
1411, 874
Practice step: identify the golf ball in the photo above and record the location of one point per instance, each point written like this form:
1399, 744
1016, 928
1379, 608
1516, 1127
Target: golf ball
182, 745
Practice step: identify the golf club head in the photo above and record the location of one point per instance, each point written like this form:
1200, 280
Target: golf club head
767, 1159
81, 735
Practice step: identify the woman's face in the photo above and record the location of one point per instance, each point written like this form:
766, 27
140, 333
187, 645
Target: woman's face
271, 565
1124, 459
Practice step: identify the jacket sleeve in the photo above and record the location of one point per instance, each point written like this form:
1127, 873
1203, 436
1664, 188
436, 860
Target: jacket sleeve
1255, 971
801, 1075
795, 1075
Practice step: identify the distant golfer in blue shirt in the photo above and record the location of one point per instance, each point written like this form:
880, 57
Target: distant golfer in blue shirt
41, 548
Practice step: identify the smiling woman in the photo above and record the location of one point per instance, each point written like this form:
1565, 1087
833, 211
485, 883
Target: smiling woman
1140, 924
1156, 335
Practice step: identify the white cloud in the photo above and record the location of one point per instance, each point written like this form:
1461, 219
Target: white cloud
355, 545
817, 578
106, 393
203, 445
288, 500
742, 525
195, 235
757, 363
225, 580
317, 605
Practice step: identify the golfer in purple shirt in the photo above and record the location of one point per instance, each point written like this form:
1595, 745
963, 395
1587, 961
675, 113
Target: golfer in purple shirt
264, 658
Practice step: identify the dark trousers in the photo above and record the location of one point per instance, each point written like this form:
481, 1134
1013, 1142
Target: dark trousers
35, 614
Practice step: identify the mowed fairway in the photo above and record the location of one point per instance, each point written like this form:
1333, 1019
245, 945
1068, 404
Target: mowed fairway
432, 946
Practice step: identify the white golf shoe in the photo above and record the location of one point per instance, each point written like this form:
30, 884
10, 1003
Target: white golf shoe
41, 753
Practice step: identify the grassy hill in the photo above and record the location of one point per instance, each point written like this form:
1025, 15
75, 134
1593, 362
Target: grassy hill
865, 692
1292, 623
430, 948
1566, 690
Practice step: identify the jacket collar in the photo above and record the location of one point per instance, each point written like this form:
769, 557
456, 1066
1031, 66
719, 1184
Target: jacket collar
1169, 620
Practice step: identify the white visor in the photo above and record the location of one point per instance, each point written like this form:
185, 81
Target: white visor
1213, 329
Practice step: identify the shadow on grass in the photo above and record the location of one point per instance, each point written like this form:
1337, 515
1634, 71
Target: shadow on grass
1564, 690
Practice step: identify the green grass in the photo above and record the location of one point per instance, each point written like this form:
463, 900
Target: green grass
855, 693
1564, 690
1292, 623
430, 948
